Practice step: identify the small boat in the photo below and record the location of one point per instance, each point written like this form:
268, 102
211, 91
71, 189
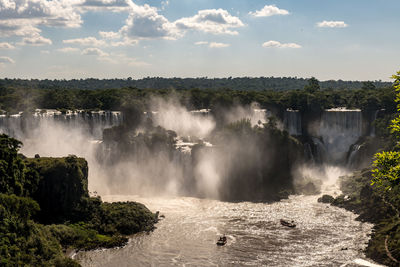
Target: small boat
222, 241
288, 224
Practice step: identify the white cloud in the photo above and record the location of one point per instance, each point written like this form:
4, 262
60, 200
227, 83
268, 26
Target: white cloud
269, 10
144, 22
68, 49
17, 28
125, 42
92, 51
98, 5
41, 12
164, 4
35, 41
45, 52
212, 44
332, 24
109, 35
6, 46
88, 41
218, 45
201, 43
276, 44
117, 58
24, 17
216, 21
6, 60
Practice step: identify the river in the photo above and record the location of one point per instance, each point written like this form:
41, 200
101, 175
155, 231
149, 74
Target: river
324, 235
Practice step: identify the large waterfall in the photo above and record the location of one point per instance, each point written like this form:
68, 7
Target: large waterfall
339, 129
292, 121
93, 122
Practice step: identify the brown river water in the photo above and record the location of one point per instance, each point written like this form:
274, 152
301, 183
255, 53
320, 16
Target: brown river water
324, 236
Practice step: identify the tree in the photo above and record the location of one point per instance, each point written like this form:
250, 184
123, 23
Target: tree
368, 85
387, 163
312, 86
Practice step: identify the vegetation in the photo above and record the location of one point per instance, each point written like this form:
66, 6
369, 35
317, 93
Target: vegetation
244, 83
375, 195
310, 96
374, 204
45, 209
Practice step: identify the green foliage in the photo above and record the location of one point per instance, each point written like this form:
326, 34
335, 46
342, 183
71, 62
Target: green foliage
15, 177
243, 83
368, 85
55, 190
124, 218
387, 164
387, 169
22, 242
377, 205
312, 86
63, 183
81, 236
274, 93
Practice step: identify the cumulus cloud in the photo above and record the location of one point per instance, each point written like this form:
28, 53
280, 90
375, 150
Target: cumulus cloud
88, 41
109, 35
276, 44
216, 21
332, 24
35, 41
68, 49
6, 46
41, 12
6, 60
218, 45
144, 22
24, 17
269, 10
93, 51
17, 28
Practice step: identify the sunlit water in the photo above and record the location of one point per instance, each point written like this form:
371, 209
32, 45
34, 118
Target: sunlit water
324, 236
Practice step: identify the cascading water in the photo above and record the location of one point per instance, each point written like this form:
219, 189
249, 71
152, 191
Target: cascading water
292, 122
338, 128
94, 122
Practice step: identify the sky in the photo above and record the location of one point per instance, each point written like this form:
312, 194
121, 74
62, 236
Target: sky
327, 39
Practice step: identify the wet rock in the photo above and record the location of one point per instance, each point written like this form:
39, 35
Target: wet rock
326, 199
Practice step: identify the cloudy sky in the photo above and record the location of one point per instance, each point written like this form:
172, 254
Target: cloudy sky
329, 39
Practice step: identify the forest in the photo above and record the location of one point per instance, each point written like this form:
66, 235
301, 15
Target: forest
16, 97
239, 83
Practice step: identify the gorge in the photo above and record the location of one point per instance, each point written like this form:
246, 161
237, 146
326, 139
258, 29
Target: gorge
197, 158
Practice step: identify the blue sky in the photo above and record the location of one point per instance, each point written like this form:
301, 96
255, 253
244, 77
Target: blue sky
328, 39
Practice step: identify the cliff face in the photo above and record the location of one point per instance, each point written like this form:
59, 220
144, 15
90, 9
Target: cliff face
45, 208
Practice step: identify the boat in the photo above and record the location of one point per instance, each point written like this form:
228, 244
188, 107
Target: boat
288, 224
222, 241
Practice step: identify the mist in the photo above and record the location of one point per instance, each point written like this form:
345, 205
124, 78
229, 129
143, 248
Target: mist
177, 152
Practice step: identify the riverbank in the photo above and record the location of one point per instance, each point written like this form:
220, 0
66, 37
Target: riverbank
378, 206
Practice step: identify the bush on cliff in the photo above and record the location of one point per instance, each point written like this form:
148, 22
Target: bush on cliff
54, 190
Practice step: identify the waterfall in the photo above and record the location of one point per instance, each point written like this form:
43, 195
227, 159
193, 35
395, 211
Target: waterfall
292, 122
339, 128
373, 125
351, 162
93, 122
